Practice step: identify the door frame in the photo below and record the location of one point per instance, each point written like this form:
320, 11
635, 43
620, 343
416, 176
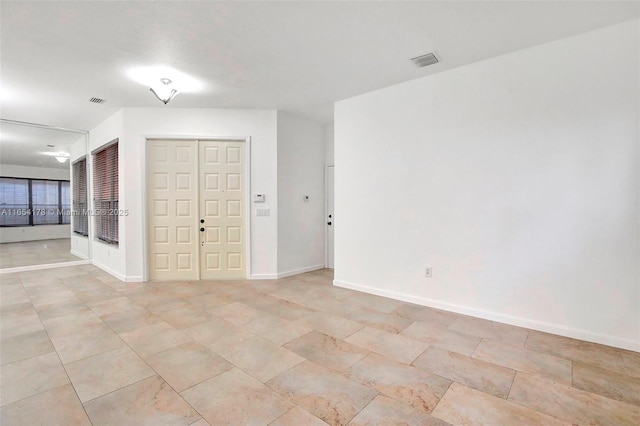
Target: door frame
247, 194
326, 214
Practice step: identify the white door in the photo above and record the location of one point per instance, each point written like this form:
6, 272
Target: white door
196, 205
222, 210
330, 216
172, 205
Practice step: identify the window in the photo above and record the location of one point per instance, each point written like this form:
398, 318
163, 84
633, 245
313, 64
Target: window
29, 202
14, 202
105, 192
80, 212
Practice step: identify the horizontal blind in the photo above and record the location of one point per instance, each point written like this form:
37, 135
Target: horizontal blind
45, 197
80, 207
14, 202
65, 202
105, 193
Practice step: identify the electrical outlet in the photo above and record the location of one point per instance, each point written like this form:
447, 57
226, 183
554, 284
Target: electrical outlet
428, 272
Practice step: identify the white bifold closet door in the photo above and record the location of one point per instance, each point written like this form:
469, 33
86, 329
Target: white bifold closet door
196, 209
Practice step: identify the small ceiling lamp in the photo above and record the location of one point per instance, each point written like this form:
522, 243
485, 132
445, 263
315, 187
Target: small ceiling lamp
164, 92
62, 157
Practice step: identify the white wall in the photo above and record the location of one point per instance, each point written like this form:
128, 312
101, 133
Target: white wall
300, 172
515, 178
12, 170
142, 123
329, 144
109, 257
33, 233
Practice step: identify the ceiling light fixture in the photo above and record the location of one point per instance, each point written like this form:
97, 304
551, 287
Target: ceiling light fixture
164, 92
62, 157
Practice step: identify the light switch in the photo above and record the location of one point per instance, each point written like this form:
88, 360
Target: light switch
263, 212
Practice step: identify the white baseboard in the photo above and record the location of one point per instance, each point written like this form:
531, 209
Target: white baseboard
263, 277
44, 266
498, 317
78, 254
109, 270
125, 278
299, 271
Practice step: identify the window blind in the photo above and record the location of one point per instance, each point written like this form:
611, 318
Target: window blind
14, 202
105, 184
80, 212
45, 196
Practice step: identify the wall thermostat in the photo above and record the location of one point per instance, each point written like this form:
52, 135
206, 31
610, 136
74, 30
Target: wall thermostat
258, 198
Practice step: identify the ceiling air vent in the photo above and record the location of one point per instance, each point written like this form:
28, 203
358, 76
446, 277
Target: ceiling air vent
97, 100
424, 60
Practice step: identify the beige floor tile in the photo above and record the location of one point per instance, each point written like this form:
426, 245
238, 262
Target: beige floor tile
281, 308
525, 360
148, 402
186, 316
373, 302
103, 308
391, 345
332, 325
58, 406
442, 337
13, 294
275, 329
327, 395
122, 322
64, 308
216, 333
480, 375
327, 350
405, 383
298, 417
73, 324
491, 330
465, 406
386, 411
100, 374
571, 404
18, 319
29, 377
236, 313
187, 365
201, 422
389, 322
209, 301
427, 315
260, 358
25, 346
72, 347
607, 383
155, 338
97, 294
217, 399
577, 350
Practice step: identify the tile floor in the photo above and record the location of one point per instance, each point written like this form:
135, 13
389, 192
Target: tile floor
31, 253
79, 347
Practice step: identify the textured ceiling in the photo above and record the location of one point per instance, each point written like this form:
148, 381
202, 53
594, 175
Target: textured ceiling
300, 57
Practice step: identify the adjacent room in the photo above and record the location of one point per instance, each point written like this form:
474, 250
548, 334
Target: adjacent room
312, 213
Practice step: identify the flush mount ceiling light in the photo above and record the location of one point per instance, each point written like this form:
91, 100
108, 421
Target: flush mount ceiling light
164, 92
62, 158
